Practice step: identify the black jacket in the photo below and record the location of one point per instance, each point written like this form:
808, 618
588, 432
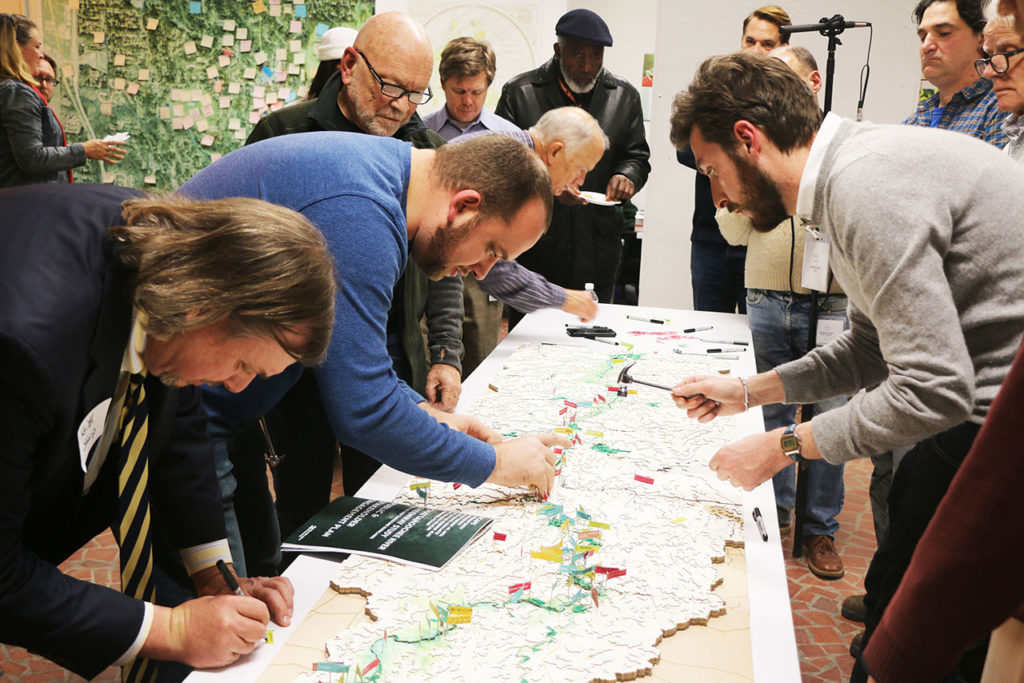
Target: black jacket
583, 242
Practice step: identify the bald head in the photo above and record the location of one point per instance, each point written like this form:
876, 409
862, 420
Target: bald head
396, 47
570, 142
802, 62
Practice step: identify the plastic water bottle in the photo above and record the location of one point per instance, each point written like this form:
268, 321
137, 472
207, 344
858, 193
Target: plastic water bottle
590, 288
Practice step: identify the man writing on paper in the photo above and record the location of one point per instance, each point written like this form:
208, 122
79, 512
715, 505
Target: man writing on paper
105, 332
933, 283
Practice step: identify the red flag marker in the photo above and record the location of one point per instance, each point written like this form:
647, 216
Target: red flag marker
643, 479
371, 666
456, 486
498, 536
570, 404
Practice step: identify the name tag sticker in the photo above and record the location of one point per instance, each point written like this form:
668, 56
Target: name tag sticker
815, 270
90, 431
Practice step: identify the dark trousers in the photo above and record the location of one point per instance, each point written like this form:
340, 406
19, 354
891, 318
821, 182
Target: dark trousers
716, 273
918, 486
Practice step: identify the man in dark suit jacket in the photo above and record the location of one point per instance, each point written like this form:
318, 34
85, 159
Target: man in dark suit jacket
82, 306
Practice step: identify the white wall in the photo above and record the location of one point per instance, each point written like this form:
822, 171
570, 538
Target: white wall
682, 33
688, 31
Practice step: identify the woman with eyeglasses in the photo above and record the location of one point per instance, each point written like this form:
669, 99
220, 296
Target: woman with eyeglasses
33, 148
1005, 49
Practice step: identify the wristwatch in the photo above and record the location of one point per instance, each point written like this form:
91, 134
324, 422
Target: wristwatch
791, 444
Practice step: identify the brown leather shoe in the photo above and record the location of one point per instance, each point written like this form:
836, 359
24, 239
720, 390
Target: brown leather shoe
854, 608
822, 558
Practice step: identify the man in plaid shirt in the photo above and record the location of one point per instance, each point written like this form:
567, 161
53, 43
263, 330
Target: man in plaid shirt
950, 33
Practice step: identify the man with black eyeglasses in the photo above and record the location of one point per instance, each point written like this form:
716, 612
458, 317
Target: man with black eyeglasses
46, 75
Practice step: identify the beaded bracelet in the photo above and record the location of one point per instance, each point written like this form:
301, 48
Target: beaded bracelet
746, 394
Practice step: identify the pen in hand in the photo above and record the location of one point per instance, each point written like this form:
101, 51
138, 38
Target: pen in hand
229, 578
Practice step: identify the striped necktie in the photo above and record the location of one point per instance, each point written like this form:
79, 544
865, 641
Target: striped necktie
133, 533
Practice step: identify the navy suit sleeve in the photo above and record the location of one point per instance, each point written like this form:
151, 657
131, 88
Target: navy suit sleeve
80, 625
183, 481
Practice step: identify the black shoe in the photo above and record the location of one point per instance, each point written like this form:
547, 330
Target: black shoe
857, 645
785, 521
854, 609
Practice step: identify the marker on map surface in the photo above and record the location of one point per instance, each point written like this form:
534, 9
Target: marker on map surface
648, 320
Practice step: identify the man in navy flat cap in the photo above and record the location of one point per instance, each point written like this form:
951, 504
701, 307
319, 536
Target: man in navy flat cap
583, 243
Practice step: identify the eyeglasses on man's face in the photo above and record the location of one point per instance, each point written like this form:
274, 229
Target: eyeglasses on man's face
395, 91
1000, 62
48, 80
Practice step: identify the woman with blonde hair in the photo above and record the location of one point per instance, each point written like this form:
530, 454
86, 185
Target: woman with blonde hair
33, 147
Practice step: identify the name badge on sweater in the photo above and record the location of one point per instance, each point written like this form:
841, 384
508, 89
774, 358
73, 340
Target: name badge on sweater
815, 271
90, 431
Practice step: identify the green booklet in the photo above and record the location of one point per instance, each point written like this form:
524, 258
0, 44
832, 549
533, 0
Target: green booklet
410, 534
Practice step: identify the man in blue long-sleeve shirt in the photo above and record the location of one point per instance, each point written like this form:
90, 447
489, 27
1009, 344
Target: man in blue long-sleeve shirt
378, 201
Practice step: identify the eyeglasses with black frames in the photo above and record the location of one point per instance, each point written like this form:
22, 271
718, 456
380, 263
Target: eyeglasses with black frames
46, 79
395, 91
1000, 62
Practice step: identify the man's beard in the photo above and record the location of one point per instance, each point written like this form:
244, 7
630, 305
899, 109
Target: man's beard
435, 261
577, 87
763, 199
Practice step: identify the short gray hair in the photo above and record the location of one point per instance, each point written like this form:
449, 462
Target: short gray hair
800, 53
575, 127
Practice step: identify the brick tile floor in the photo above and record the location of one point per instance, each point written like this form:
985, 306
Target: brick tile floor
822, 635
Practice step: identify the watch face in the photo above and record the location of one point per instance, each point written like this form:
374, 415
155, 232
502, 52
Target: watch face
790, 443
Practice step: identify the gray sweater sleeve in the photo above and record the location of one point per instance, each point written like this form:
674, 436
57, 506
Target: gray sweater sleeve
444, 313
888, 249
23, 112
522, 289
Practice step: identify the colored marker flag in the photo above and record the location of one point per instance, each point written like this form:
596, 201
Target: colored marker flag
371, 666
641, 478
498, 536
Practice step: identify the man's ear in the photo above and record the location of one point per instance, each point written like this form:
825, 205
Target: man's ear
554, 148
347, 64
558, 51
815, 81
748, 137
463, 202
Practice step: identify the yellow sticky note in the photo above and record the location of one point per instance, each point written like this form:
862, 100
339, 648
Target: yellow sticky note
258, 7
152, 23
563, 430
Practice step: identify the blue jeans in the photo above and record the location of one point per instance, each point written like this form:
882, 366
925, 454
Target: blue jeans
779, 326
716, 272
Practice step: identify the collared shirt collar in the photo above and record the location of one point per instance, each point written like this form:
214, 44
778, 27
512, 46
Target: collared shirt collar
809, 179
1012, 126
133, 362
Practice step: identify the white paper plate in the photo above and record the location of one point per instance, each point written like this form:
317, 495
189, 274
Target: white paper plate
598, 198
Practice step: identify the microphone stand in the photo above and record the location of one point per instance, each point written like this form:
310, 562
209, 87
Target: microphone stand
831, 30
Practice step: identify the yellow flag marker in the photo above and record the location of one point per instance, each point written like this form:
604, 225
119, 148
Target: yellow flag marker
460, 614
598, 525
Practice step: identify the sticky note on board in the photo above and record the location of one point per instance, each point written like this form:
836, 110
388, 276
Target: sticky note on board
300, 10
275, 10
179, 110
229, 24
295, 46
223, 61
267, 71
280, 54
119, 60
254, 117
206, 41
244, 45
143, 74
165, 112
258, 7
98, 37
224, 102
212, 72
152, 23
227, 40
249, 73
234, 124
294, 69
260, 57
242, 33
321, 29
190, 47
234, 88
132, 89
195, 7
206, 141
149, 180
119, 83
295, 26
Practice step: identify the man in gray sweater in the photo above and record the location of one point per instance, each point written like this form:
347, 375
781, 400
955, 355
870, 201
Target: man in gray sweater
923, 234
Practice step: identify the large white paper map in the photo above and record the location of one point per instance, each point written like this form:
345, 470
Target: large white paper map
582, 586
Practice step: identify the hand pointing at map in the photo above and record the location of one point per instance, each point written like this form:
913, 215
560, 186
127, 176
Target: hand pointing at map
527, 461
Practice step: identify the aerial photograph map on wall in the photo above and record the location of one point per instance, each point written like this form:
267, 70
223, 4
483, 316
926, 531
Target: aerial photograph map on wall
187, 79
